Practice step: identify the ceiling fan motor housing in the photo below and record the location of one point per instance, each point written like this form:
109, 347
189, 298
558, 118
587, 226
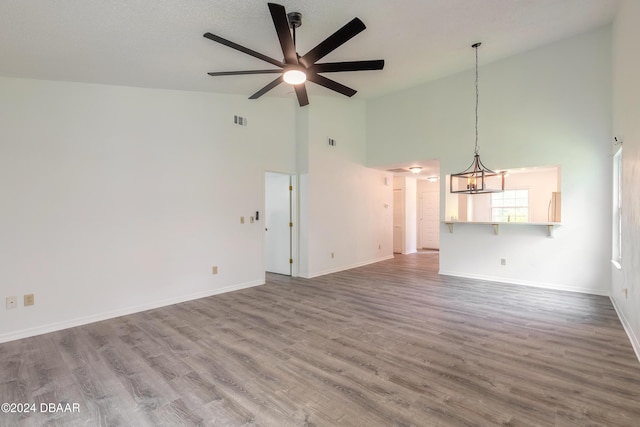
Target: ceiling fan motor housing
295, 19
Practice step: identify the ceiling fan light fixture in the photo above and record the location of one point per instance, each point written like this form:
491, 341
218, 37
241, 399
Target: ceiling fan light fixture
294, 76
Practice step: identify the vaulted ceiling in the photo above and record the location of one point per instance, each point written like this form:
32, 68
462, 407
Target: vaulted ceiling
159, 43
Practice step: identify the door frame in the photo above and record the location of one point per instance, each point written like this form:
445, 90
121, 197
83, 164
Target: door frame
293, 201
399, 209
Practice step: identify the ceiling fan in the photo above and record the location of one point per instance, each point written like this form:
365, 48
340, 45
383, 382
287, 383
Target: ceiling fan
295, 69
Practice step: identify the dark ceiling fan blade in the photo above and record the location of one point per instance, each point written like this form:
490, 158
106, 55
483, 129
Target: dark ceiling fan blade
354, 27
267, 88
243, 49
239, 73
331, 84
301, 94
334, 67
280, 21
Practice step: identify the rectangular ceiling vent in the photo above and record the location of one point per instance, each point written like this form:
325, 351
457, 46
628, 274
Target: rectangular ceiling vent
399, 170
240, 121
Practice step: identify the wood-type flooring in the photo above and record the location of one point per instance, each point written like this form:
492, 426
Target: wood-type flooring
389, 344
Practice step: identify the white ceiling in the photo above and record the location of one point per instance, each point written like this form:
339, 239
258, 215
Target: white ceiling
159, 43
430, 168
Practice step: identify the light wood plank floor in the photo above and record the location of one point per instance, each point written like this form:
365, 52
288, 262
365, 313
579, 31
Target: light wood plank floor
390, 344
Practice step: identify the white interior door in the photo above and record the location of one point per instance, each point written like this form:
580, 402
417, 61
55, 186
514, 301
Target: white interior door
277, 219
398, 221
430, 228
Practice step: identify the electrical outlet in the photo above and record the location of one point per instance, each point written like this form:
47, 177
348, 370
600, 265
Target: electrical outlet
241, 220
331, 254
251, 219
626, 293
12, 302
379, 246
214, 269
29, 299
503, 261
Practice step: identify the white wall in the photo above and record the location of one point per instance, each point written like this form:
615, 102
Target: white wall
626, 126
342, 202
117, 199
548, 106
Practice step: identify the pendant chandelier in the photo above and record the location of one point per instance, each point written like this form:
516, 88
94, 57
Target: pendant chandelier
477, 178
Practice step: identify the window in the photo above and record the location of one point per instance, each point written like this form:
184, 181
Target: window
510, 206
616, 255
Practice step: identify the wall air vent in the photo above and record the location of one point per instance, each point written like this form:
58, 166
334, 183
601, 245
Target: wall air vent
240, 121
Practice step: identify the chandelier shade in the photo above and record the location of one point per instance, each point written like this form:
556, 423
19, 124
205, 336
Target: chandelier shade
477, 179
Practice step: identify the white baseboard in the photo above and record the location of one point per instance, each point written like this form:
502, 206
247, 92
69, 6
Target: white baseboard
554, 286
346, 267
635, 342
52, 327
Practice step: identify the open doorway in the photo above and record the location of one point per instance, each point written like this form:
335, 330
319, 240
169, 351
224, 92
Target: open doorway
416, 206
278, 222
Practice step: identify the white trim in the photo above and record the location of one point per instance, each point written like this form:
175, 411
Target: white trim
52, 327
635, 342
616, 220
553, 286
346, 267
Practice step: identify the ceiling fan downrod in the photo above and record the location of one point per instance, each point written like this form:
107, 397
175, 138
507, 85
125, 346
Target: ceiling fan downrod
295, 21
